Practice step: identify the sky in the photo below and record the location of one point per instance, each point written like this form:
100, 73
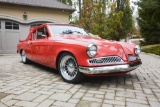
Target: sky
135, 12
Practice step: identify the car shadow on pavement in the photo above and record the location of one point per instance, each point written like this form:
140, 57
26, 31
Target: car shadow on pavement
123, 81
42, 67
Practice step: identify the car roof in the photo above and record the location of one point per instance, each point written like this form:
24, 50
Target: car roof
61, 24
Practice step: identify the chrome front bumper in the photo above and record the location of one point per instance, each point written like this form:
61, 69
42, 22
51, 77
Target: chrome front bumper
108, 69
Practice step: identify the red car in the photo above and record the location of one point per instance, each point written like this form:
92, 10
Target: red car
74, 53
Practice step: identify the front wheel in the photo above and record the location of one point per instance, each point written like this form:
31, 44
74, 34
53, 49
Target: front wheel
24, 58
68, 68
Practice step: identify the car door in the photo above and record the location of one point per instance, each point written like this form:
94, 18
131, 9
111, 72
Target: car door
28, 48
40, 46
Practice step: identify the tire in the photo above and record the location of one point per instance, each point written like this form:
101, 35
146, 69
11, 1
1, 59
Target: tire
24, 57
68, 69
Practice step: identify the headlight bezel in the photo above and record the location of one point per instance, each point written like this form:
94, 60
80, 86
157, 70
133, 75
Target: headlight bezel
137, 49
92, 50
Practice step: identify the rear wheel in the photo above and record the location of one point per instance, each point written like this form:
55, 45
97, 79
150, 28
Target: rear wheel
24, 58
68, 68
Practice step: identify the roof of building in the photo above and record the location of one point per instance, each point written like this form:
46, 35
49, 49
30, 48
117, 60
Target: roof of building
40, 3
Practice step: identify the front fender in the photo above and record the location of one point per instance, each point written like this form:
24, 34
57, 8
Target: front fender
79, 52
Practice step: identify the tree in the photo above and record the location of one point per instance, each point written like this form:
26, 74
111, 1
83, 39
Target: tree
93, 16
80, 8
98, 26
113, 24
69, 2
86, 14
149, 20
127, 19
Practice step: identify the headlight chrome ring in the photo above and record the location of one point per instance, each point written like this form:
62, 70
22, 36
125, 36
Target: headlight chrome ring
137, 49
91, 50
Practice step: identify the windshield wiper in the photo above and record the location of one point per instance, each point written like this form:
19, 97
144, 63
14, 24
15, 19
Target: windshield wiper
78, 32
67, 32
71, 32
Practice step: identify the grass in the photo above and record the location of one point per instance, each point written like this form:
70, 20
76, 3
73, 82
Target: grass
154, 49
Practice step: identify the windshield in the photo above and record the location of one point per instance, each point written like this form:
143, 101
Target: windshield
61, 29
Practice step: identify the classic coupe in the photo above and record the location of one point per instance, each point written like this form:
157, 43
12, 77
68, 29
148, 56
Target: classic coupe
75, 54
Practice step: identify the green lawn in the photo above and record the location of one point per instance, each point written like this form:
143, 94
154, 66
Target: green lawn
155, 49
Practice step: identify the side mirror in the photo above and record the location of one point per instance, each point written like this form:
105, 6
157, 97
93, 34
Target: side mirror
44, 36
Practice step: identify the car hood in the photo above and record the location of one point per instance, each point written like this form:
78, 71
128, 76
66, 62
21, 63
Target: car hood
76, 39
105, 47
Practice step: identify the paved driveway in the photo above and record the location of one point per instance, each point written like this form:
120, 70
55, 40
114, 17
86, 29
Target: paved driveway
33, 85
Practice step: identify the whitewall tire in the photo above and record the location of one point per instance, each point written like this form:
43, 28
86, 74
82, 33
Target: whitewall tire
68, 68
24, 57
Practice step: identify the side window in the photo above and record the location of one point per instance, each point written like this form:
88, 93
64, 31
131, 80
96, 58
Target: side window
40, 32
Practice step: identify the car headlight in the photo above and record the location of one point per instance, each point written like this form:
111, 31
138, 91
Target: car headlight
91, 50
137, 49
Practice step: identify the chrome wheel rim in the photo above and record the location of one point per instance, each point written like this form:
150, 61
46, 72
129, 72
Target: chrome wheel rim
68, 67
23, 56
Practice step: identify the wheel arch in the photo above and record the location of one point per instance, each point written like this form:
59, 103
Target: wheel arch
59, 55
21, 51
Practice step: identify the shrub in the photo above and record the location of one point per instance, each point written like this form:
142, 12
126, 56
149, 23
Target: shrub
154, 50
143, 43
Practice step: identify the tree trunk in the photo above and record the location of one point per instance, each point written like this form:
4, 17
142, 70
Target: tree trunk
80, 4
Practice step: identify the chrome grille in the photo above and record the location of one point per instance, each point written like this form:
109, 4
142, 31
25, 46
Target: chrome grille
106, 60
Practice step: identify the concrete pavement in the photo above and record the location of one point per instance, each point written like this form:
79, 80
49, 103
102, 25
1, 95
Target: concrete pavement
33, 85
